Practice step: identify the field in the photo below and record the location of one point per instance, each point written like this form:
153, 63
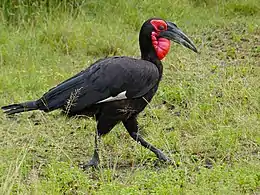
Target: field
205, 116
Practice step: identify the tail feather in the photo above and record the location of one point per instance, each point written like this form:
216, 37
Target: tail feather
22, 107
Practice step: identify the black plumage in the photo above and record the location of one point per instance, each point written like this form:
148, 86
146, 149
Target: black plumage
113, 89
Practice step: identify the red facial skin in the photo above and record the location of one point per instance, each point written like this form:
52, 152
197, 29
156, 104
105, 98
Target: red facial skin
161, 45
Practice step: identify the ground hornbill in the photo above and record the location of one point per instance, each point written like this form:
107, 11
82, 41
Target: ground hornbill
115, 89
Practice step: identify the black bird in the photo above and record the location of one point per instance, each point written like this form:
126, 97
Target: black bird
115, 89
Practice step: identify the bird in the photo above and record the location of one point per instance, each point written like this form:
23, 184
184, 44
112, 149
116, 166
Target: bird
115, 89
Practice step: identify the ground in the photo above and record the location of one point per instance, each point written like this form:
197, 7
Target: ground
205, 116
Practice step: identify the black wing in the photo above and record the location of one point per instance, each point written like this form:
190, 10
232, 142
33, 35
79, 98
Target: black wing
103, 79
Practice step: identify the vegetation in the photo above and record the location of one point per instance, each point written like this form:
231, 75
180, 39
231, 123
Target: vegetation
205, 116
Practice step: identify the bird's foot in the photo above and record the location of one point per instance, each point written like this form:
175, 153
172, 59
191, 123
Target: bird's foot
161, 156
94, 162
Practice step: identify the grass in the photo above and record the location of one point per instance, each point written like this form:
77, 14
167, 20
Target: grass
205, 115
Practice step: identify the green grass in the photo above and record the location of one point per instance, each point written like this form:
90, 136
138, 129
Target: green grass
205, 116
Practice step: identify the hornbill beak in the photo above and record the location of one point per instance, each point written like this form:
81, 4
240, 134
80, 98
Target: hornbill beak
175, 34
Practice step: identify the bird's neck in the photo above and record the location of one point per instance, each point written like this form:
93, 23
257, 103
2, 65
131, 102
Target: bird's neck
152, 57
148, 52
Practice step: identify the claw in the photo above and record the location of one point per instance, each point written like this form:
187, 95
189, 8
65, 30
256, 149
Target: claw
91, 163
94, 162
163, 157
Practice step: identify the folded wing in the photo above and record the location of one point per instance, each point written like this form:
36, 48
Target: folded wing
105, 79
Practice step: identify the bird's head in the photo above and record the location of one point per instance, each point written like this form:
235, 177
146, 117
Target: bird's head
157, 33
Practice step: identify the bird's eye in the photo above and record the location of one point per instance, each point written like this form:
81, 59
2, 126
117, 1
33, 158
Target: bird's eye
161, 27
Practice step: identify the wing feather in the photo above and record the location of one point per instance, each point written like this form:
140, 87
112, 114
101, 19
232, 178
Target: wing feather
103, 79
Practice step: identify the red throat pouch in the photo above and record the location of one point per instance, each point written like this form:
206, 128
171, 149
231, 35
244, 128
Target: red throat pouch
161, 45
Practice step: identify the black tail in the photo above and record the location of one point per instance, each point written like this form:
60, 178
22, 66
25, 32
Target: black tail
22, 107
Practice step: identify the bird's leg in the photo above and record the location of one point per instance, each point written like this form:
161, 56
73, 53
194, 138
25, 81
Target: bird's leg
104, 125
132, 127
95, 158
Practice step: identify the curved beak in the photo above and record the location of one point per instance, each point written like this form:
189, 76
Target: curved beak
175, 34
